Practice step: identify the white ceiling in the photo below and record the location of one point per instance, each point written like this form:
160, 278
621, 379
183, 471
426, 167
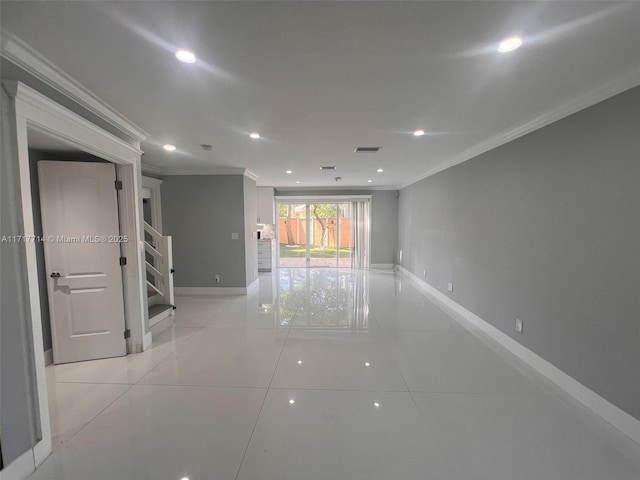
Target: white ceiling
317, 79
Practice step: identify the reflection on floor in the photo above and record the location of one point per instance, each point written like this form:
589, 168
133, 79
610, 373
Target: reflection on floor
297, 262
322, 374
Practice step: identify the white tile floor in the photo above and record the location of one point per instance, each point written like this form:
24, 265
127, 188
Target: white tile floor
322, 374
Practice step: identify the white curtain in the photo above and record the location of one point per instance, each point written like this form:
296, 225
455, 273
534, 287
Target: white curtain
360, 234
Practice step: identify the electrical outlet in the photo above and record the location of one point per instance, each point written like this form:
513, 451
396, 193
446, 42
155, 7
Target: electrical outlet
519, 325
217, 278
450, 286
234, 236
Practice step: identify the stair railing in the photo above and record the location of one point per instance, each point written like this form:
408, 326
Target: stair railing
161, 270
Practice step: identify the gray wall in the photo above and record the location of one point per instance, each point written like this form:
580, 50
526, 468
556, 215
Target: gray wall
250, 229
200, 212
384, 218
19, 422
546, 229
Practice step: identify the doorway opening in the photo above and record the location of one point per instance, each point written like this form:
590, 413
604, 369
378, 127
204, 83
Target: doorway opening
35, 115
327, 232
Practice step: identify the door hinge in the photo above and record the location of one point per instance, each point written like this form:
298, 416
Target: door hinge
118, 184
127, 333
123, 261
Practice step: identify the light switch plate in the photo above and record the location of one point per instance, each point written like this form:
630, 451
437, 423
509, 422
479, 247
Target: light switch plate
234, 236
519, 325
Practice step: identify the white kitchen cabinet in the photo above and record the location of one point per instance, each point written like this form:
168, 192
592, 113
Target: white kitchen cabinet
266, 257
266, 205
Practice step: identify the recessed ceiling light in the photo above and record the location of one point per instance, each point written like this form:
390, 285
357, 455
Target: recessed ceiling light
292, 401
366, 364
376, 404
254, 135
509, 44
299, 362
418, 133
186, 56
369, 181
380, 170
169, 148
289, 171
297, 181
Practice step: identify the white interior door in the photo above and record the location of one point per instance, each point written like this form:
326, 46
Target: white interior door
82, 257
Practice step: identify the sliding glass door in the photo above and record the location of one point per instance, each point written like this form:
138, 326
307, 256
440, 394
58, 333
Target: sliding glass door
321, 234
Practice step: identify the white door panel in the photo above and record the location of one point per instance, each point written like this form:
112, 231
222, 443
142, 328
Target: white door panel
81, 231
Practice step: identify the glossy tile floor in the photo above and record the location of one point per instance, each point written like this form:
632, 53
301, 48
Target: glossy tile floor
322, 374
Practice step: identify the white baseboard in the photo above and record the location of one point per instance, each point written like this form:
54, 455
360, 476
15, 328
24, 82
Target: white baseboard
48, 357
254, 286
20, 468
162, 325
146, 341
160, 317
210, 290
381, 266
617, 417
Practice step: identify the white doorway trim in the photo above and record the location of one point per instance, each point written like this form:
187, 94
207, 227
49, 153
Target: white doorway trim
34, 111
153, 186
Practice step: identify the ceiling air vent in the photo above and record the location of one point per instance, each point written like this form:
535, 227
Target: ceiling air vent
366, 149
327, 168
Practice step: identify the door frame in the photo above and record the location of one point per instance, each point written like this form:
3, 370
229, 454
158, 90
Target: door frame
153, 185
34, 111
308, 199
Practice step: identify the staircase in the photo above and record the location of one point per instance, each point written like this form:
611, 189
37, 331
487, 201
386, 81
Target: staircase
159, 267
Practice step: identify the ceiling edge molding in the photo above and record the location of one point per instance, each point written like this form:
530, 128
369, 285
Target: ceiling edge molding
330, 189
31, 61
203, 171
102, 143
146, 168
587, 99
249, 174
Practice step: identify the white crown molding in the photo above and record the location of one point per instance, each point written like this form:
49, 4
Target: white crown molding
202, 171
320, 198
208, 171
97, 141
606, 90
27, 58
249, 174
617, 417
151, 182
330, 189
146, 168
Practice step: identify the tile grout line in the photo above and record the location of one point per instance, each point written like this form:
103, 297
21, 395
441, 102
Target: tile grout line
404, 380
126, 390
264, 400
96, 415
171, 352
